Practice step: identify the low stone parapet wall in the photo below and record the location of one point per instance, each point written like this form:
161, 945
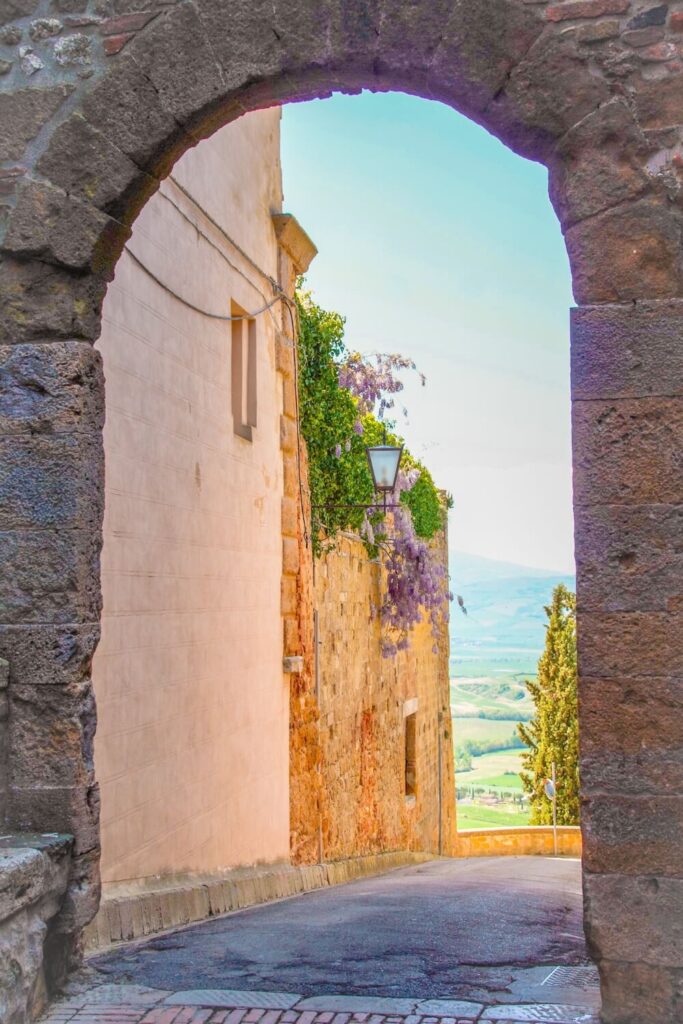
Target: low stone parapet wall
34, 871
525, 840
164, 904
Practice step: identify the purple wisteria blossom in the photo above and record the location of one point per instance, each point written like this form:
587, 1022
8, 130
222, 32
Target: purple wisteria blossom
373, 380
416, 583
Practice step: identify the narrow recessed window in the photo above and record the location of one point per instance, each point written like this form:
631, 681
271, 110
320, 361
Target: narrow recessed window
243, 369
411, 755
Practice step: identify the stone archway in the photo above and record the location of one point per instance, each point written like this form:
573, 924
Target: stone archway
99, 100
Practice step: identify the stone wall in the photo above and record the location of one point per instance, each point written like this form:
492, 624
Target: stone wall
34, 871
364, 701
94, 112
4, 737
520, 841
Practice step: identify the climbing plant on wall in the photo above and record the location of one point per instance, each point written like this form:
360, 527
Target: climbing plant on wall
553, 733
343, 401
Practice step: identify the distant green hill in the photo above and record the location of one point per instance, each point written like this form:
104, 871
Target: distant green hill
502, 635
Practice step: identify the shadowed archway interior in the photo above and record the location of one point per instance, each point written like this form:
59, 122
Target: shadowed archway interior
565, 83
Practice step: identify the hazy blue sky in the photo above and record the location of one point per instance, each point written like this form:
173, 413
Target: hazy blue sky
437, 242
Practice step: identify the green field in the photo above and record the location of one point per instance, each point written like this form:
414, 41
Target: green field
482, 729
476, 816
494, 775
506, 781
492, 766
504, 698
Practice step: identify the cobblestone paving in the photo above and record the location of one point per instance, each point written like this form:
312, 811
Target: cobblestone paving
98, 1014
80, 1011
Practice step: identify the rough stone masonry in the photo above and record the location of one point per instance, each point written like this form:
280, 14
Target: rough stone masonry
98, 98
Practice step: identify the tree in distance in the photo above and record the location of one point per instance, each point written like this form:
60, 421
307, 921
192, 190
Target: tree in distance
552, 735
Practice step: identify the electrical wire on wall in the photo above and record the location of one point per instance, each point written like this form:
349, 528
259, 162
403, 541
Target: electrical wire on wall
280, 296
191, 305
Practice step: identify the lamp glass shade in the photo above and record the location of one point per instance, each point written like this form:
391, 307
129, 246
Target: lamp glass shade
384, 461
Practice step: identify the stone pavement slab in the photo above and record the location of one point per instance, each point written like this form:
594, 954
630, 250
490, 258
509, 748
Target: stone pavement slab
358, 1004
449, 1008
548, 1012
114, 994
233, 998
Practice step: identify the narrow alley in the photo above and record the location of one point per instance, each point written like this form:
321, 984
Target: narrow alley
471, 939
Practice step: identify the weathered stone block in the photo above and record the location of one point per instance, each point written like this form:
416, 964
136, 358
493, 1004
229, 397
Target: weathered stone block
290, 513
630, 644
82, 898
630, 715
628, 451
626, 914
627, 351
548, 93
49, 655
288, 595
40, 301
657, 770
23, 113
51, 734
290, 555
74, 810
427, 28
55, 227
57, 387
598, 164
476, 48
598, 31
631, 736
292, 637
571, 9
633, 835
629, 557
33, 882
50, 576
637, 993
49, 481
261, 40
25, 876
125, 108
179, 60
104, 176
288, 434
643, 36
629, 253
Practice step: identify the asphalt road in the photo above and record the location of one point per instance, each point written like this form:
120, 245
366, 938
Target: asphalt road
476, 926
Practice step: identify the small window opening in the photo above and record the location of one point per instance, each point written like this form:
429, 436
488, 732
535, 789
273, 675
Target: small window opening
410, 756
243, 369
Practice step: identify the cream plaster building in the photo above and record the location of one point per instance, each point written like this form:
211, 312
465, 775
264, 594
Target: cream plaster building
193, 717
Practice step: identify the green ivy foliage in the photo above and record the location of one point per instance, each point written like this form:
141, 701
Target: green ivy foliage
328, 415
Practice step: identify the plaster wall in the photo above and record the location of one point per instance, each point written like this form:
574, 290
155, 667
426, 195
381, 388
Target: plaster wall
192, 742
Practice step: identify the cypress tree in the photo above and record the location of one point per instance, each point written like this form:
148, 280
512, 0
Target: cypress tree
553, 733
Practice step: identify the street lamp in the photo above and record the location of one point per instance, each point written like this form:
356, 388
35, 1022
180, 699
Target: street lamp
384, 460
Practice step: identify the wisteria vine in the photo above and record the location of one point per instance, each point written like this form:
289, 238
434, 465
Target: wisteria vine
416, 583
343, 399
372, 381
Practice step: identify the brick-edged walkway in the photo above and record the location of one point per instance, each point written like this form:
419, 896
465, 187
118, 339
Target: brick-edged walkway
200, 1015
127, 1014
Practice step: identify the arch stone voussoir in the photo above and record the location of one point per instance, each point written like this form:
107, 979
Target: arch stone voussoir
90, 124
